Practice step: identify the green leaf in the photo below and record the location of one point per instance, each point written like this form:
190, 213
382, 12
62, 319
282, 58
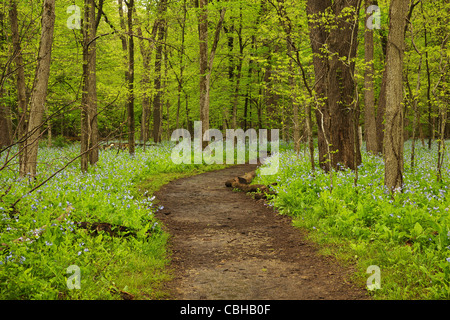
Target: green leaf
418, 228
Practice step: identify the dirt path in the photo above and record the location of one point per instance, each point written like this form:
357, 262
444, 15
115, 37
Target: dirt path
225, 245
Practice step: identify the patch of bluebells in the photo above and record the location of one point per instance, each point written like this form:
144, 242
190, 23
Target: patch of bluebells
304, 192
10, 258
106, 193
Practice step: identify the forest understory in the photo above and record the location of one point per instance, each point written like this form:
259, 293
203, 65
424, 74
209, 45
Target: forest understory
348, 100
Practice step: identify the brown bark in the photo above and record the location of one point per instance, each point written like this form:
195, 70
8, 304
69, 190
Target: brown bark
39, 93
20, 77
393, 138
20, 83
6, 136
181, 79
336, 111
204, 71
381, 110
5, 122
369, 93
237, 85
146, 52
158, 101
89, 126
206, 61
130, 80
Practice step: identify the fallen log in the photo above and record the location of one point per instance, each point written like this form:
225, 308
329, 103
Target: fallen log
113, 230
37, 232
243, 183
93, 227
245, 179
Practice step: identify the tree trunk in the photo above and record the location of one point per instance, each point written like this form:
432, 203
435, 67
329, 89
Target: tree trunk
206, 61
381, 110
293, 99
248, 95
181, 79
21, 85
39, 93
231, 66
393, 136
335, 88
92, 88
157, 101
89, 127
204, 72
369, 93
5, 122
130, 99
238, 76
146, 48
414, 102
6, 137
429, 104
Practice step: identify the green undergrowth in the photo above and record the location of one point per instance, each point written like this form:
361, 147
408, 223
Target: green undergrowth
39, 251
407, 236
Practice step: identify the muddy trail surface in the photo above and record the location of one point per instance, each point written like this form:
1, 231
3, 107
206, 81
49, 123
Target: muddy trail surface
226, 245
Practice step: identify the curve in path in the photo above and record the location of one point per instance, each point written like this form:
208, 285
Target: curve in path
226, 245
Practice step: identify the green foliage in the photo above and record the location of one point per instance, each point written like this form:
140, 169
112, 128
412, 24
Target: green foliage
407, 236
34, 267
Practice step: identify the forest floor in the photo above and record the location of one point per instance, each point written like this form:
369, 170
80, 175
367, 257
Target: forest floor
226, 245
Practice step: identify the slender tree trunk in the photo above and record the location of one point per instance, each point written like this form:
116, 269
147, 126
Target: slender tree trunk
293, 99
381, 110
369, 93
130, 99
248, 95
89, 127
92, 89
6, 135
21, 86
414, 98
429, 104
231, 66
157, 101
5, 121
393, 137
441, 145
204, 71
124, 42
238, 79
206, 61
39, 93
146, 48
165, 86
49, 128
270, 96
181, 79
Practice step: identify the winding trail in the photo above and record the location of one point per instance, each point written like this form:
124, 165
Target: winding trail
226, 245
